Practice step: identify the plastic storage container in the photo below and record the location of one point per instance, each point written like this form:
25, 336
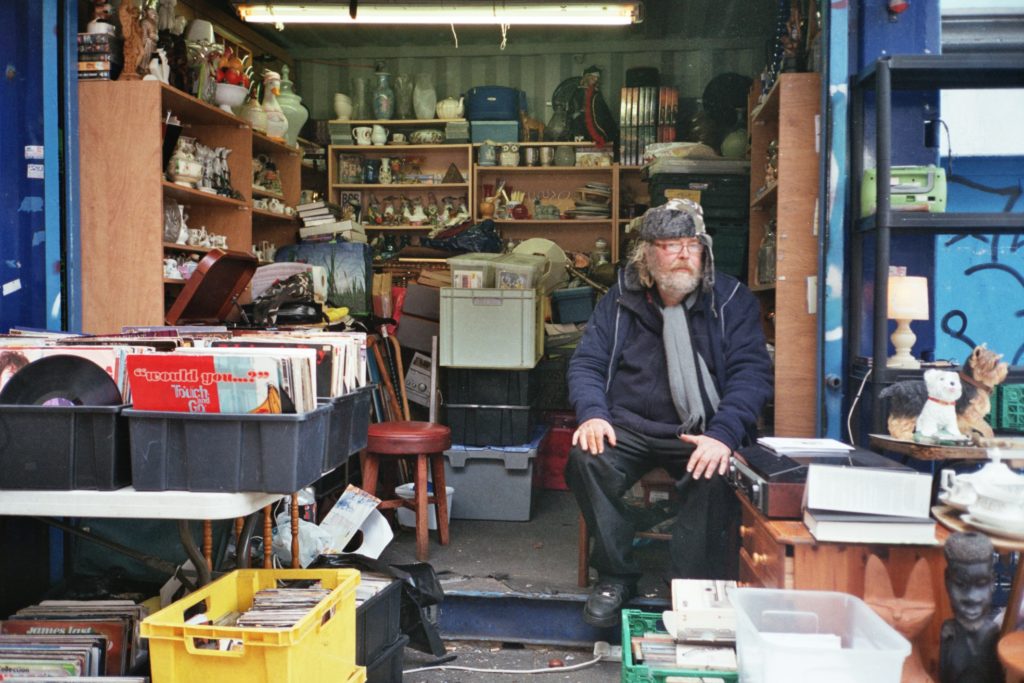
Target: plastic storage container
320, 648
227, 452
637, 623
491, 328
387, 667
1009, 406
407, 517
488, 425
494, 103
475, 262
378, 623
63, 447
791, 635
490, 387
494, 131
723, 185
729, 244
347, 427
492, 484
519, 271
572, 305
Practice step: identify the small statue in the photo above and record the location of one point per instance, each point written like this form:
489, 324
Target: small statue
150, 35
131, 30
589, 115
967, 643
165, 13
937, 421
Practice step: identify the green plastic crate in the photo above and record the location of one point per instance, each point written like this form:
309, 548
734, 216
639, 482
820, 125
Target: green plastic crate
635, 622
1010, 407
730, 246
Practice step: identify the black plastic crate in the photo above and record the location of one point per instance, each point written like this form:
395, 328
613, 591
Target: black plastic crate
730, 245
721, 195
378, 620
489, 387
489, 425
63, 447
387, 668
227, 452
348, 423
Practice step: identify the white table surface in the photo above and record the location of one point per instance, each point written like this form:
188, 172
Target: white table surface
129, 503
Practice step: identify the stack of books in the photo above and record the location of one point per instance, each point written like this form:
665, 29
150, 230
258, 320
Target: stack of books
99, 56
322, 221
648, 115
869, 505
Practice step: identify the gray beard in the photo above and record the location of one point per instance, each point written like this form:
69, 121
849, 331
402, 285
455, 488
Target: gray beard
677, 283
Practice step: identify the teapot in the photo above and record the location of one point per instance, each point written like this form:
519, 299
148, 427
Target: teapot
993, 481
379, 136
450, 108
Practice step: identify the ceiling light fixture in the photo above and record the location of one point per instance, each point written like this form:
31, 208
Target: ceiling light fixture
445, 13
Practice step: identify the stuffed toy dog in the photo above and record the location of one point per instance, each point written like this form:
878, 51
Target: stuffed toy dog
980, 374
938, 415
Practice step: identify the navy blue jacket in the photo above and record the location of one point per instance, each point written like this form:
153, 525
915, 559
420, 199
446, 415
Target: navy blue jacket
726, 329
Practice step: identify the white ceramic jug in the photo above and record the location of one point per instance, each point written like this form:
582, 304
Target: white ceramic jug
361, 134
342, 106
379, 136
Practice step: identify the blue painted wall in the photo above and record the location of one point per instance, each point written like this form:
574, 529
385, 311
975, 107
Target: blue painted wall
979, 280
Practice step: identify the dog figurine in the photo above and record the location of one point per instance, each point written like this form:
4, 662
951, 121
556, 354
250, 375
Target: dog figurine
937, 420
979, 376
529, 126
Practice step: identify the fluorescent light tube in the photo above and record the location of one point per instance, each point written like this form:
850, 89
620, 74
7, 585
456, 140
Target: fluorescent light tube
497, 13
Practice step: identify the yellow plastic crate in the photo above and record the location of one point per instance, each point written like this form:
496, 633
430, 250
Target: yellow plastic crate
318, 649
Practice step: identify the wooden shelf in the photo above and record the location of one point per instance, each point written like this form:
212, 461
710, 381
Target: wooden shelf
762, 288
193, 111
766, 198
263, 214
542, 143
186, 247
396, 122
402, 148
553, 221
398, 228
256, 192
404, 186
188, 195
174, 281
263, 144
603, 170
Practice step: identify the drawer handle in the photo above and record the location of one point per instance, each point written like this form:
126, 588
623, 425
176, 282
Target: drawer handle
746, 531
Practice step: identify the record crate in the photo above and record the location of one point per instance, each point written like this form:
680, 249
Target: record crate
319, 648
636, 623
347, 426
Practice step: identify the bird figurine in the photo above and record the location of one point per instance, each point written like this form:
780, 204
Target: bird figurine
277, 123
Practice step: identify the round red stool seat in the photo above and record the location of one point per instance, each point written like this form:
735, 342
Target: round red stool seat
407, 438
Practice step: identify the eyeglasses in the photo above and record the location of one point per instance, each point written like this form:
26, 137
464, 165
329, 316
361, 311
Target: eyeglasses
677, 248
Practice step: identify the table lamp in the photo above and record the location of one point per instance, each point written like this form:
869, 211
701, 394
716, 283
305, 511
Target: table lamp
908, 300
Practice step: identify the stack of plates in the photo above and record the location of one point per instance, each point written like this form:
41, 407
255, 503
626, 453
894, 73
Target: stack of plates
593, 200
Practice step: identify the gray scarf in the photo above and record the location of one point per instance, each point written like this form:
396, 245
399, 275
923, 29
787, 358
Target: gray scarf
683, 362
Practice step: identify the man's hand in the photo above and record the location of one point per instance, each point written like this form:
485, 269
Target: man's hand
708, 456
591, 435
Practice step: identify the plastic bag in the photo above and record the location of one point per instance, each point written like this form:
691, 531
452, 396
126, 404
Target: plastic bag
482, 237
312, 541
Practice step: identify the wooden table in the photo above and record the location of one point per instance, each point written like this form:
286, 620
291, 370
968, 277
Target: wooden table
950, 518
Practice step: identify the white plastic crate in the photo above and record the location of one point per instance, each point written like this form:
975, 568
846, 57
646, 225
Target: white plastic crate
491, 328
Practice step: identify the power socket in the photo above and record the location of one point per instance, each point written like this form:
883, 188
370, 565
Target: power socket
608, 652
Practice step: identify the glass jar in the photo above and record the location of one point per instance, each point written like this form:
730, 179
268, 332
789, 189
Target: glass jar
383, 97
766, 255
601, 254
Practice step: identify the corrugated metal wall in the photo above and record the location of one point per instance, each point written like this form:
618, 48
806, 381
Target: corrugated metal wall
688, 66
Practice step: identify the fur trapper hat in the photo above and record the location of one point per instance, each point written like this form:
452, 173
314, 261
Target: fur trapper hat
676, 219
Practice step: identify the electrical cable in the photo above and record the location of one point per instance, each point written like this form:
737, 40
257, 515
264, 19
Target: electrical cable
853, 405
545, 670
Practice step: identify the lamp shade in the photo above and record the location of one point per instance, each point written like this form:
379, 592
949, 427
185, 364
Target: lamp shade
199, 30
908, 298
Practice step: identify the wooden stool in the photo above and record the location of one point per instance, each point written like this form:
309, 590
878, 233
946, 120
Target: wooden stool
426, 441
1011, 656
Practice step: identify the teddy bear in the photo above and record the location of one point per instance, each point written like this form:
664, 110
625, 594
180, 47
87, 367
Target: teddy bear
937, 420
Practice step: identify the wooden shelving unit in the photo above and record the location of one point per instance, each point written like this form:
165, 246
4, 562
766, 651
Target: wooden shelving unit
787, 116
124, 190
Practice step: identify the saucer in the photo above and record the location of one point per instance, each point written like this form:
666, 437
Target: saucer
985, 517
945, 499
992, 529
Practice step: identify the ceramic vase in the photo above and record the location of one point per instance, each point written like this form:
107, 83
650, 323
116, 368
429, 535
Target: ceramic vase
291, 105
361, 109
342, 106
403, 96
253, 112
424, 97
383, 97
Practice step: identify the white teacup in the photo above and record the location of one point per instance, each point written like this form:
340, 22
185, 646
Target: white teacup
958, 487
398, 138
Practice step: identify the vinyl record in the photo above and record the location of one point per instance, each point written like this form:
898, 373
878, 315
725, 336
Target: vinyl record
61, 381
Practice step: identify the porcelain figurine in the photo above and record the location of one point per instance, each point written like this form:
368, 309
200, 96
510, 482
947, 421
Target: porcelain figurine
424, 97
291, 105
184, 168
253, 112
277, 122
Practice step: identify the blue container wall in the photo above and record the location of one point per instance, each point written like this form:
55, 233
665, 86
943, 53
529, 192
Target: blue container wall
979, 279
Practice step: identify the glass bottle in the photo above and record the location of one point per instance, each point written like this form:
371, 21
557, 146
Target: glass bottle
383, 97
766, 255
601, 254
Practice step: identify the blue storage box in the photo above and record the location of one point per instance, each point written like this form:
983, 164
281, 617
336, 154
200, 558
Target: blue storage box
494, 103
572, 305
495, 131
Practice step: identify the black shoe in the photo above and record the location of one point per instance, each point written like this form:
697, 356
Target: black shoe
605, 603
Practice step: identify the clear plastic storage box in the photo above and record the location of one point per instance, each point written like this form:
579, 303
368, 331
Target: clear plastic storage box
795, 635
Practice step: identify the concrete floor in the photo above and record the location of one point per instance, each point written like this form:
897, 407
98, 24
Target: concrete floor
535, 557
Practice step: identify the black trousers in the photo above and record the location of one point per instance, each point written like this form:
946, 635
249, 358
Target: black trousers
704, 541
